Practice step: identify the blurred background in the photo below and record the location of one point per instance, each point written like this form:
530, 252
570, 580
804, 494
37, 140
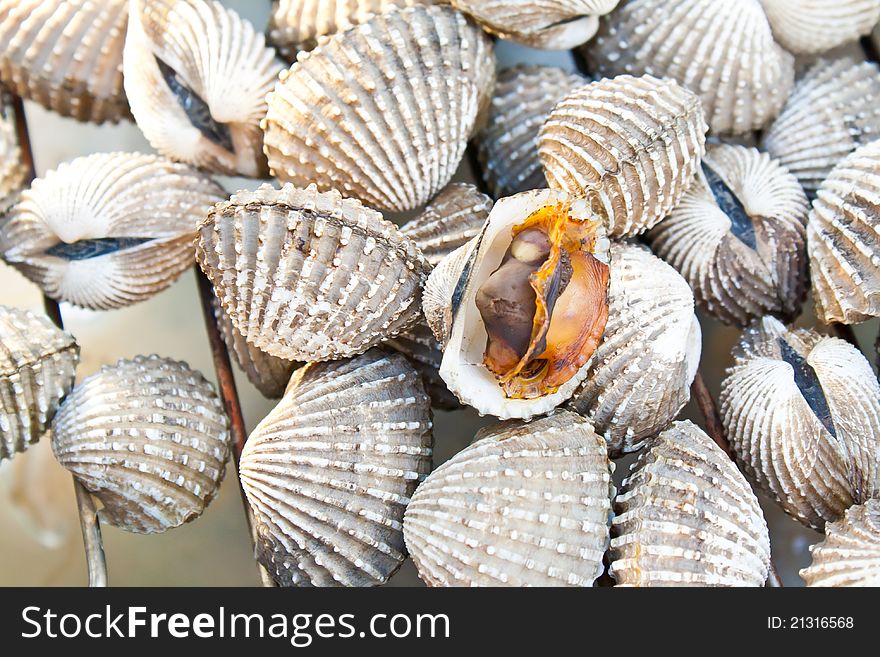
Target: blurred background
40, 543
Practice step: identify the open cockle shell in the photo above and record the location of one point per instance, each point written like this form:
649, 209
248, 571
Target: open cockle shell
457, 284
834, 109
802, 412
329, 472
527, 504
149, 438
738, 237
812, 26
722, 50
37, 365
686, 516
197, 75
109, 229
850, 553
307, 275
508, 145
390, 134
630, 145
642, 371
66, 55
843, 240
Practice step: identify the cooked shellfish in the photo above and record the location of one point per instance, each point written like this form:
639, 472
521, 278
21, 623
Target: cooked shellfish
524, 505
811, 26
37, 365
850, 553
329, 472
197, 75
687, 517
630, 145
390, 134
307, 275
738, 237
149, 438
723, 51
802, 412
109, 229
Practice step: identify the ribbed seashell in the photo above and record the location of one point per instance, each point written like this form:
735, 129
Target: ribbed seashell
13, 172
37, 365
686, 516
834, 109
812, 26
149, 438
802, 412
197, 75
307, 275
642, 372
451, 310
724, 51
329, 472
527, 504
549, 24
424, 352
391, 134
738, 237
850, 553
66, 55
508, 146
631, 145
269, 374
843, 240
109, 229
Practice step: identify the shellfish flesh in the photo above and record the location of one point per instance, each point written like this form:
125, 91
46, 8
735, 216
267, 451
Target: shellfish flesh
811, 26
850, 553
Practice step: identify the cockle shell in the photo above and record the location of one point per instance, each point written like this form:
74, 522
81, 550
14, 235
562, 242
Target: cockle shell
307, 275
739, 238
149, 438
66, 55
329, 472
686, 516
508, 145
723, 51
524, 505
550, 24
802, 412
37, 365
269, 374
13, 172
843, 239
850, 553
109, 229
642, 371
834, 109
630, 145
391, 134
197, 75
811, 26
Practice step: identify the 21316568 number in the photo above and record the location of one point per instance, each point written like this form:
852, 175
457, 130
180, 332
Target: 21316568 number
810, 623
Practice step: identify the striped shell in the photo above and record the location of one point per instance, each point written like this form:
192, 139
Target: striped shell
37, 365
329, 472
420, 346
738, 237
631, 145
149, 438
723, 50
812, 26
524, 505
642, 372
508, 146
834, 109
687, 517
843, 240
306, 275
802, 412
109, 229
549, 24
197, 75
13, 172
850, 553
391, 134
66, 55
